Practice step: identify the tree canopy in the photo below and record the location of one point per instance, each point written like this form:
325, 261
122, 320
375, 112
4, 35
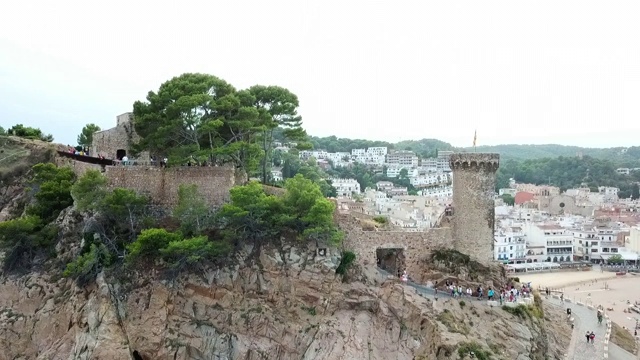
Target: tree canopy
304, 212
86, 135
204, 117
29, 133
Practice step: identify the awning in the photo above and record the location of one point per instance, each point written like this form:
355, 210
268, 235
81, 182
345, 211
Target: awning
625, 256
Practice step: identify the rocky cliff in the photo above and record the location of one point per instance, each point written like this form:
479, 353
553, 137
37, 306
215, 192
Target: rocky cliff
284, 305
280, 302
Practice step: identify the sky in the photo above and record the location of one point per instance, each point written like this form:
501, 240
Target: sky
540, 72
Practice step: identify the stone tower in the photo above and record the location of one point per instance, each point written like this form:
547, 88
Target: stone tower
474, 181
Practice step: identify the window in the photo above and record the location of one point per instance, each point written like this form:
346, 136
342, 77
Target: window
594, 250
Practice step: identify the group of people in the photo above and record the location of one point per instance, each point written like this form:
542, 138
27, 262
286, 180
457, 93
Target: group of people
591, 337
507, 294
84, 151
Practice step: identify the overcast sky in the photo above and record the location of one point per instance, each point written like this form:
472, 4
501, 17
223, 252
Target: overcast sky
517, 71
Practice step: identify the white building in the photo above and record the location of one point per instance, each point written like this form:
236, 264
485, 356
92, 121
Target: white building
339, 159
346, 187
610, 193
370, 156
430, 179
437, 192
403, 157
276, 175
394, 170
510, 245
378, 151
548, 242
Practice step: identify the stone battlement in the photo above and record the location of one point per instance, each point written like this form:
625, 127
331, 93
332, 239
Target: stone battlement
475, 161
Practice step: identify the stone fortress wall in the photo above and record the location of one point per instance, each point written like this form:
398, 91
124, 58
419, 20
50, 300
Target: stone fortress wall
162, 184
474, 180
472, 224
113, 143
417, 245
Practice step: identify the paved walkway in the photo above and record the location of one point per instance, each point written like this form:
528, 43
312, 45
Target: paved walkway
585, 319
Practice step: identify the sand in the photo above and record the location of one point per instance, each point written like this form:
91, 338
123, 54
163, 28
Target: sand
561, 279
589, 287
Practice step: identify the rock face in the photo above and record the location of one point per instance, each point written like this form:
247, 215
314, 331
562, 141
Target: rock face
285, 304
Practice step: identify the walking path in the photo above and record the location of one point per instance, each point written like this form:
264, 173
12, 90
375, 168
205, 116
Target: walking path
585, 319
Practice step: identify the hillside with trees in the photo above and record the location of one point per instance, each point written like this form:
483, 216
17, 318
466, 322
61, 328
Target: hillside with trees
622, 157
568, 172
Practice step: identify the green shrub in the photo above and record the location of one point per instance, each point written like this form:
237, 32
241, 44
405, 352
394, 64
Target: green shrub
348, 257
462, 303
24, 239
515, 278
85, 268
52, 187
453, 324
179, 253
380, 220
466, 348
150, 242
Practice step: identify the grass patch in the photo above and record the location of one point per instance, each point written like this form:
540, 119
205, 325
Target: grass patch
524, 311
452, 323
381, 220
623, 338
473, 350
310, 310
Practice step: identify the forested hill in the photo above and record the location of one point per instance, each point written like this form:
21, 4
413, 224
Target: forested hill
622, 157
526, 152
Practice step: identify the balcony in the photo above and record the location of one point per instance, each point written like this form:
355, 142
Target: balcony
562, 252
560, 243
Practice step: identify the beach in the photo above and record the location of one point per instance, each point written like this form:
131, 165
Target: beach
594, 288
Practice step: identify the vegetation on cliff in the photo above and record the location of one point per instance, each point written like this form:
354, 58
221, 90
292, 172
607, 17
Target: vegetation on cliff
27, 133
120, 224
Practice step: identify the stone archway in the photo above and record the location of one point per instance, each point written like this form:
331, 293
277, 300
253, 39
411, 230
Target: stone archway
391, 260
120, 153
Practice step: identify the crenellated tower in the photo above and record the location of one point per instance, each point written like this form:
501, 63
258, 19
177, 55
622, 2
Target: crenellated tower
474, 181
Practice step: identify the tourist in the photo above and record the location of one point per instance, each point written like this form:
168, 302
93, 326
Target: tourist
490, 294
592, 336
588, 336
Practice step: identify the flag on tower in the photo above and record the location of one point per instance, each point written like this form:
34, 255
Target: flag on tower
475, 136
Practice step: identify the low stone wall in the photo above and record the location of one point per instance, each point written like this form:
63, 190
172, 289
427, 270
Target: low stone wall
78, 167
162, 184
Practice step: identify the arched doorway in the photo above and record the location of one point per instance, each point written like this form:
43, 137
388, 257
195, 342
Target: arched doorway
120, 153
561, 258
555, 259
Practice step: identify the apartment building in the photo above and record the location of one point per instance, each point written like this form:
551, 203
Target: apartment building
393, 170
403, 157
428, 180
548, 242
346, 187
510, 245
